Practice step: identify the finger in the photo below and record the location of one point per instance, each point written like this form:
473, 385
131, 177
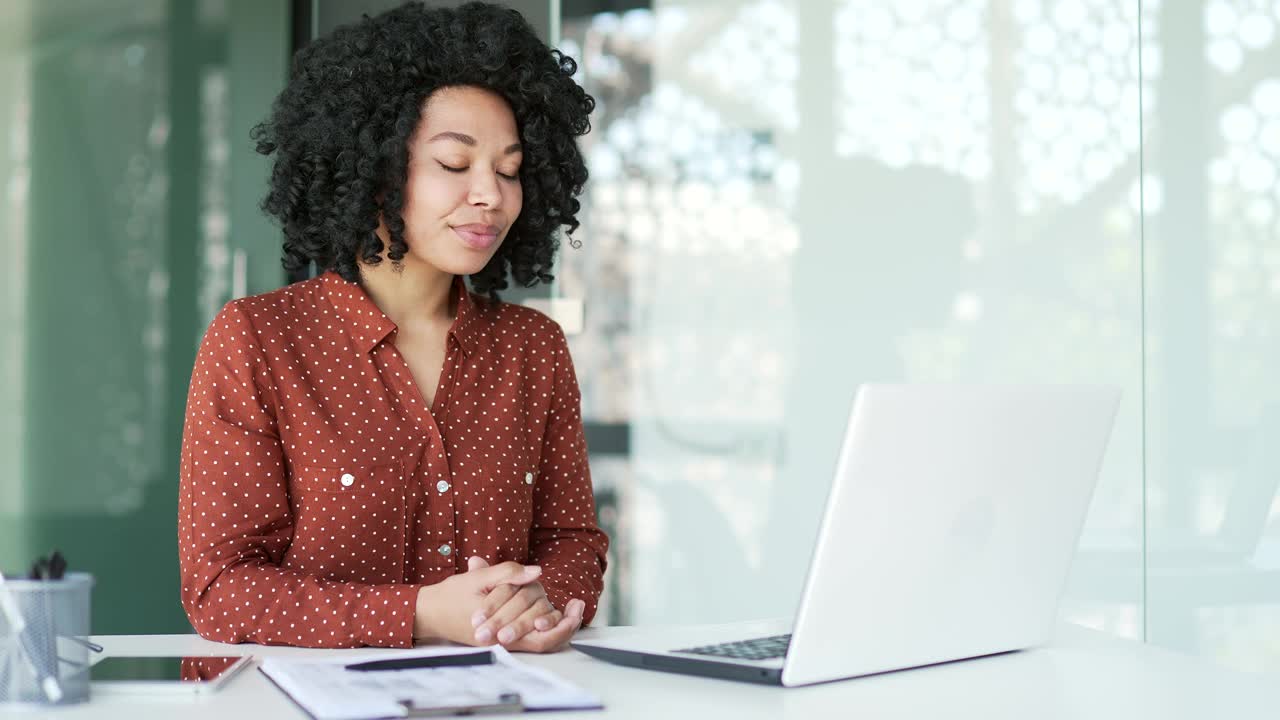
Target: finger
507, 572
553, 640
501, 615
524, 623
558, 637
475, 562
548, 621
524, 598
496, 598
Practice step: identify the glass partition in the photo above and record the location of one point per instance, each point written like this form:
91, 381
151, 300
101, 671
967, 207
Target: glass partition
790, 199
1212, 231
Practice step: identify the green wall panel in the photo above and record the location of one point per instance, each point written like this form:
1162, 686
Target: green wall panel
133, 219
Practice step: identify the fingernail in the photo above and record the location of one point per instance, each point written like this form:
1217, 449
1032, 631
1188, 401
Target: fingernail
535, 569
506, 635
484, 635
541, 623
478, 619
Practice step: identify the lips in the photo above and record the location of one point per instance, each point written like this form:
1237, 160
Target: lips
477, 236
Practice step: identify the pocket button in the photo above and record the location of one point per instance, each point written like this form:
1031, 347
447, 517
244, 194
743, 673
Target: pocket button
348, 479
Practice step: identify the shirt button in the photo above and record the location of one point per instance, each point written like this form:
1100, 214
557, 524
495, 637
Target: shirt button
445, 549
348, 480
442, 486
528, 478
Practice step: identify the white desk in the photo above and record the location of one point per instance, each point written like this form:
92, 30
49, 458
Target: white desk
1086, 675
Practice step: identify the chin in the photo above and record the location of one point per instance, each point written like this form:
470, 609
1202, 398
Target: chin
461, 263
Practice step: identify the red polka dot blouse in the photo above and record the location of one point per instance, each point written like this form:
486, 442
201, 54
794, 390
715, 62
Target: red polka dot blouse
318, 493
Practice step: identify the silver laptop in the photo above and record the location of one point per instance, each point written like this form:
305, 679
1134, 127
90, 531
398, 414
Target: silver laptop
948, 534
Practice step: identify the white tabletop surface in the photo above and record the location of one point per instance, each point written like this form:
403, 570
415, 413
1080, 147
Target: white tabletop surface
1084, 674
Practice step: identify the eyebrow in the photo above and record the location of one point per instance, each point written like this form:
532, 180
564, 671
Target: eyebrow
468, 140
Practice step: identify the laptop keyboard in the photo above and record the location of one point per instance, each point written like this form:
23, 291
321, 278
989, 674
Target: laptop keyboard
758, 649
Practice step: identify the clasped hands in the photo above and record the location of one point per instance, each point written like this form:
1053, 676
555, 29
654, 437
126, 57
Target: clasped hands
502, 603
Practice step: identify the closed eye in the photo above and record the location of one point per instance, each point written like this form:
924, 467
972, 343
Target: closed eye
450, 168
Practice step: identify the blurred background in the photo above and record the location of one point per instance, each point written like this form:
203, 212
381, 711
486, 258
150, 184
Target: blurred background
787, 199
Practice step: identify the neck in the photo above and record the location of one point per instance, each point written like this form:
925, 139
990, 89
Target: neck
417, 296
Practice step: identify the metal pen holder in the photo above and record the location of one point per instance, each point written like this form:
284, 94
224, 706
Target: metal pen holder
44, 641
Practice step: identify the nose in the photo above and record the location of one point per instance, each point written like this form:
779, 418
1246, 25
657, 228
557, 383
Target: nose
485, 190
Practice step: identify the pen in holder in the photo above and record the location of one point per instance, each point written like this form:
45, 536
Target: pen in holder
44, 646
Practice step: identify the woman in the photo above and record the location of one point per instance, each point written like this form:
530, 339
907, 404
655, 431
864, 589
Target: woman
376, 455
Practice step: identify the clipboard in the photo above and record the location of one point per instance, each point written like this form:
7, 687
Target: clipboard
507, 703
436, 682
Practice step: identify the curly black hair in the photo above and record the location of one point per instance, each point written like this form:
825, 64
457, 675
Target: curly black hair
340, 130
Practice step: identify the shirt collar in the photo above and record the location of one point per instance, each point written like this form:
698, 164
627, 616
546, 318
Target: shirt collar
368, 325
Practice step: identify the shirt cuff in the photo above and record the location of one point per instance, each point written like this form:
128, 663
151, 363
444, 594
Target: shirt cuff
386, 620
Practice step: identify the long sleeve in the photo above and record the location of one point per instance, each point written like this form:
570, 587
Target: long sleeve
566, 539
235, 517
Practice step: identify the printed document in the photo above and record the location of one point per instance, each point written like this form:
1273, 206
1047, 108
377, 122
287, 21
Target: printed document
328, 691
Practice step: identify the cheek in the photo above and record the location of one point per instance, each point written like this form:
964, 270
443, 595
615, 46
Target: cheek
515, 201
431, 196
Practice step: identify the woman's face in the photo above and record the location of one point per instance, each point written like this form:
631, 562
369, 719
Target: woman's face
463, 191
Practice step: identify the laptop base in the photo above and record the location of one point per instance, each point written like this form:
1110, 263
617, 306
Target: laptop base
685, 666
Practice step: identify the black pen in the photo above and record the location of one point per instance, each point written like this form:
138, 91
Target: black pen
429, 661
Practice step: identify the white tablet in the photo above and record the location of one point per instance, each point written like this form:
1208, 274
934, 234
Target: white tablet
151, 674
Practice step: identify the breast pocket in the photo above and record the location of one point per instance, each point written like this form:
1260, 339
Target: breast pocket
349, 522
510, 509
